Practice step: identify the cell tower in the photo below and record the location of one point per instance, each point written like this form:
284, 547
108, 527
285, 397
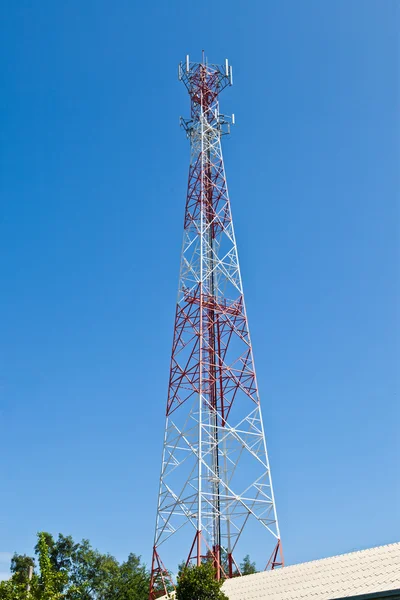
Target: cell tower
215, 490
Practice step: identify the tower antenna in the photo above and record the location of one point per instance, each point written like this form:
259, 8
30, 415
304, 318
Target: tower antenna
215, 496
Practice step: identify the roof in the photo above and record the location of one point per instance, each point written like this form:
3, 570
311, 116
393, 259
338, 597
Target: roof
355, 574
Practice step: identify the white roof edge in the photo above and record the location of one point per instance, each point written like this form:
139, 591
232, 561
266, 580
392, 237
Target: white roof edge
361, 572
352, 553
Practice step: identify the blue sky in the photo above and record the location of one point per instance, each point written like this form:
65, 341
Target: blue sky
92, 181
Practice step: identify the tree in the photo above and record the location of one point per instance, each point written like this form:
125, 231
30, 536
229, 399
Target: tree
199, 583
11, 590
16, 588
96, 576
247, 567
132, 582
74, 571
20, 565
92, 574
61, 551
51, 582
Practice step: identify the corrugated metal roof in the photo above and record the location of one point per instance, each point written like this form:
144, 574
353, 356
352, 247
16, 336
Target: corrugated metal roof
364, 572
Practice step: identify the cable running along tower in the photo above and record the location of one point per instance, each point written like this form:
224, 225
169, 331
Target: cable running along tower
215, 496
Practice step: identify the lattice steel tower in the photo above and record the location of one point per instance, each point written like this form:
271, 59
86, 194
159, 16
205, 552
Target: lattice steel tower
215, 490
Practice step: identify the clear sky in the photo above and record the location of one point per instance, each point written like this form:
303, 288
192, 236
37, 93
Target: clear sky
92, 181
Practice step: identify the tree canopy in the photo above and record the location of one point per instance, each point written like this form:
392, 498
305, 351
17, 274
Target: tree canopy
199, 583
247, 567
66, 570
63, 569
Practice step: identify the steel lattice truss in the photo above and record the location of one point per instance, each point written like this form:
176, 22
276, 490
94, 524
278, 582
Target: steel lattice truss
215, 475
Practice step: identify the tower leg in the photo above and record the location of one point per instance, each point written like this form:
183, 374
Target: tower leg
276, 558
160, 579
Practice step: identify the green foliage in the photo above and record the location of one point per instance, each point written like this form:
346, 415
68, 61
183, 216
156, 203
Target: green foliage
247, 567
67, 570
51, 582
61, 551
12, 590
75, 571
132, 582
16, 587
91, 573
199, 583
20, 565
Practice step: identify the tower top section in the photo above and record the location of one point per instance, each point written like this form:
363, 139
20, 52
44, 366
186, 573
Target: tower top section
204, 81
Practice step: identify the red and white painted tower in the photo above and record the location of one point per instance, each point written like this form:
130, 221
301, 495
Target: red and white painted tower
215, 496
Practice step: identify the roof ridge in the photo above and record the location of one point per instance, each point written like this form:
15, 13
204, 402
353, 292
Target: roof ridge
316, 560
365, 571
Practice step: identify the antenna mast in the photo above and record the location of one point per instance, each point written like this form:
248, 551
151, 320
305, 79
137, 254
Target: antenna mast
215, 490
